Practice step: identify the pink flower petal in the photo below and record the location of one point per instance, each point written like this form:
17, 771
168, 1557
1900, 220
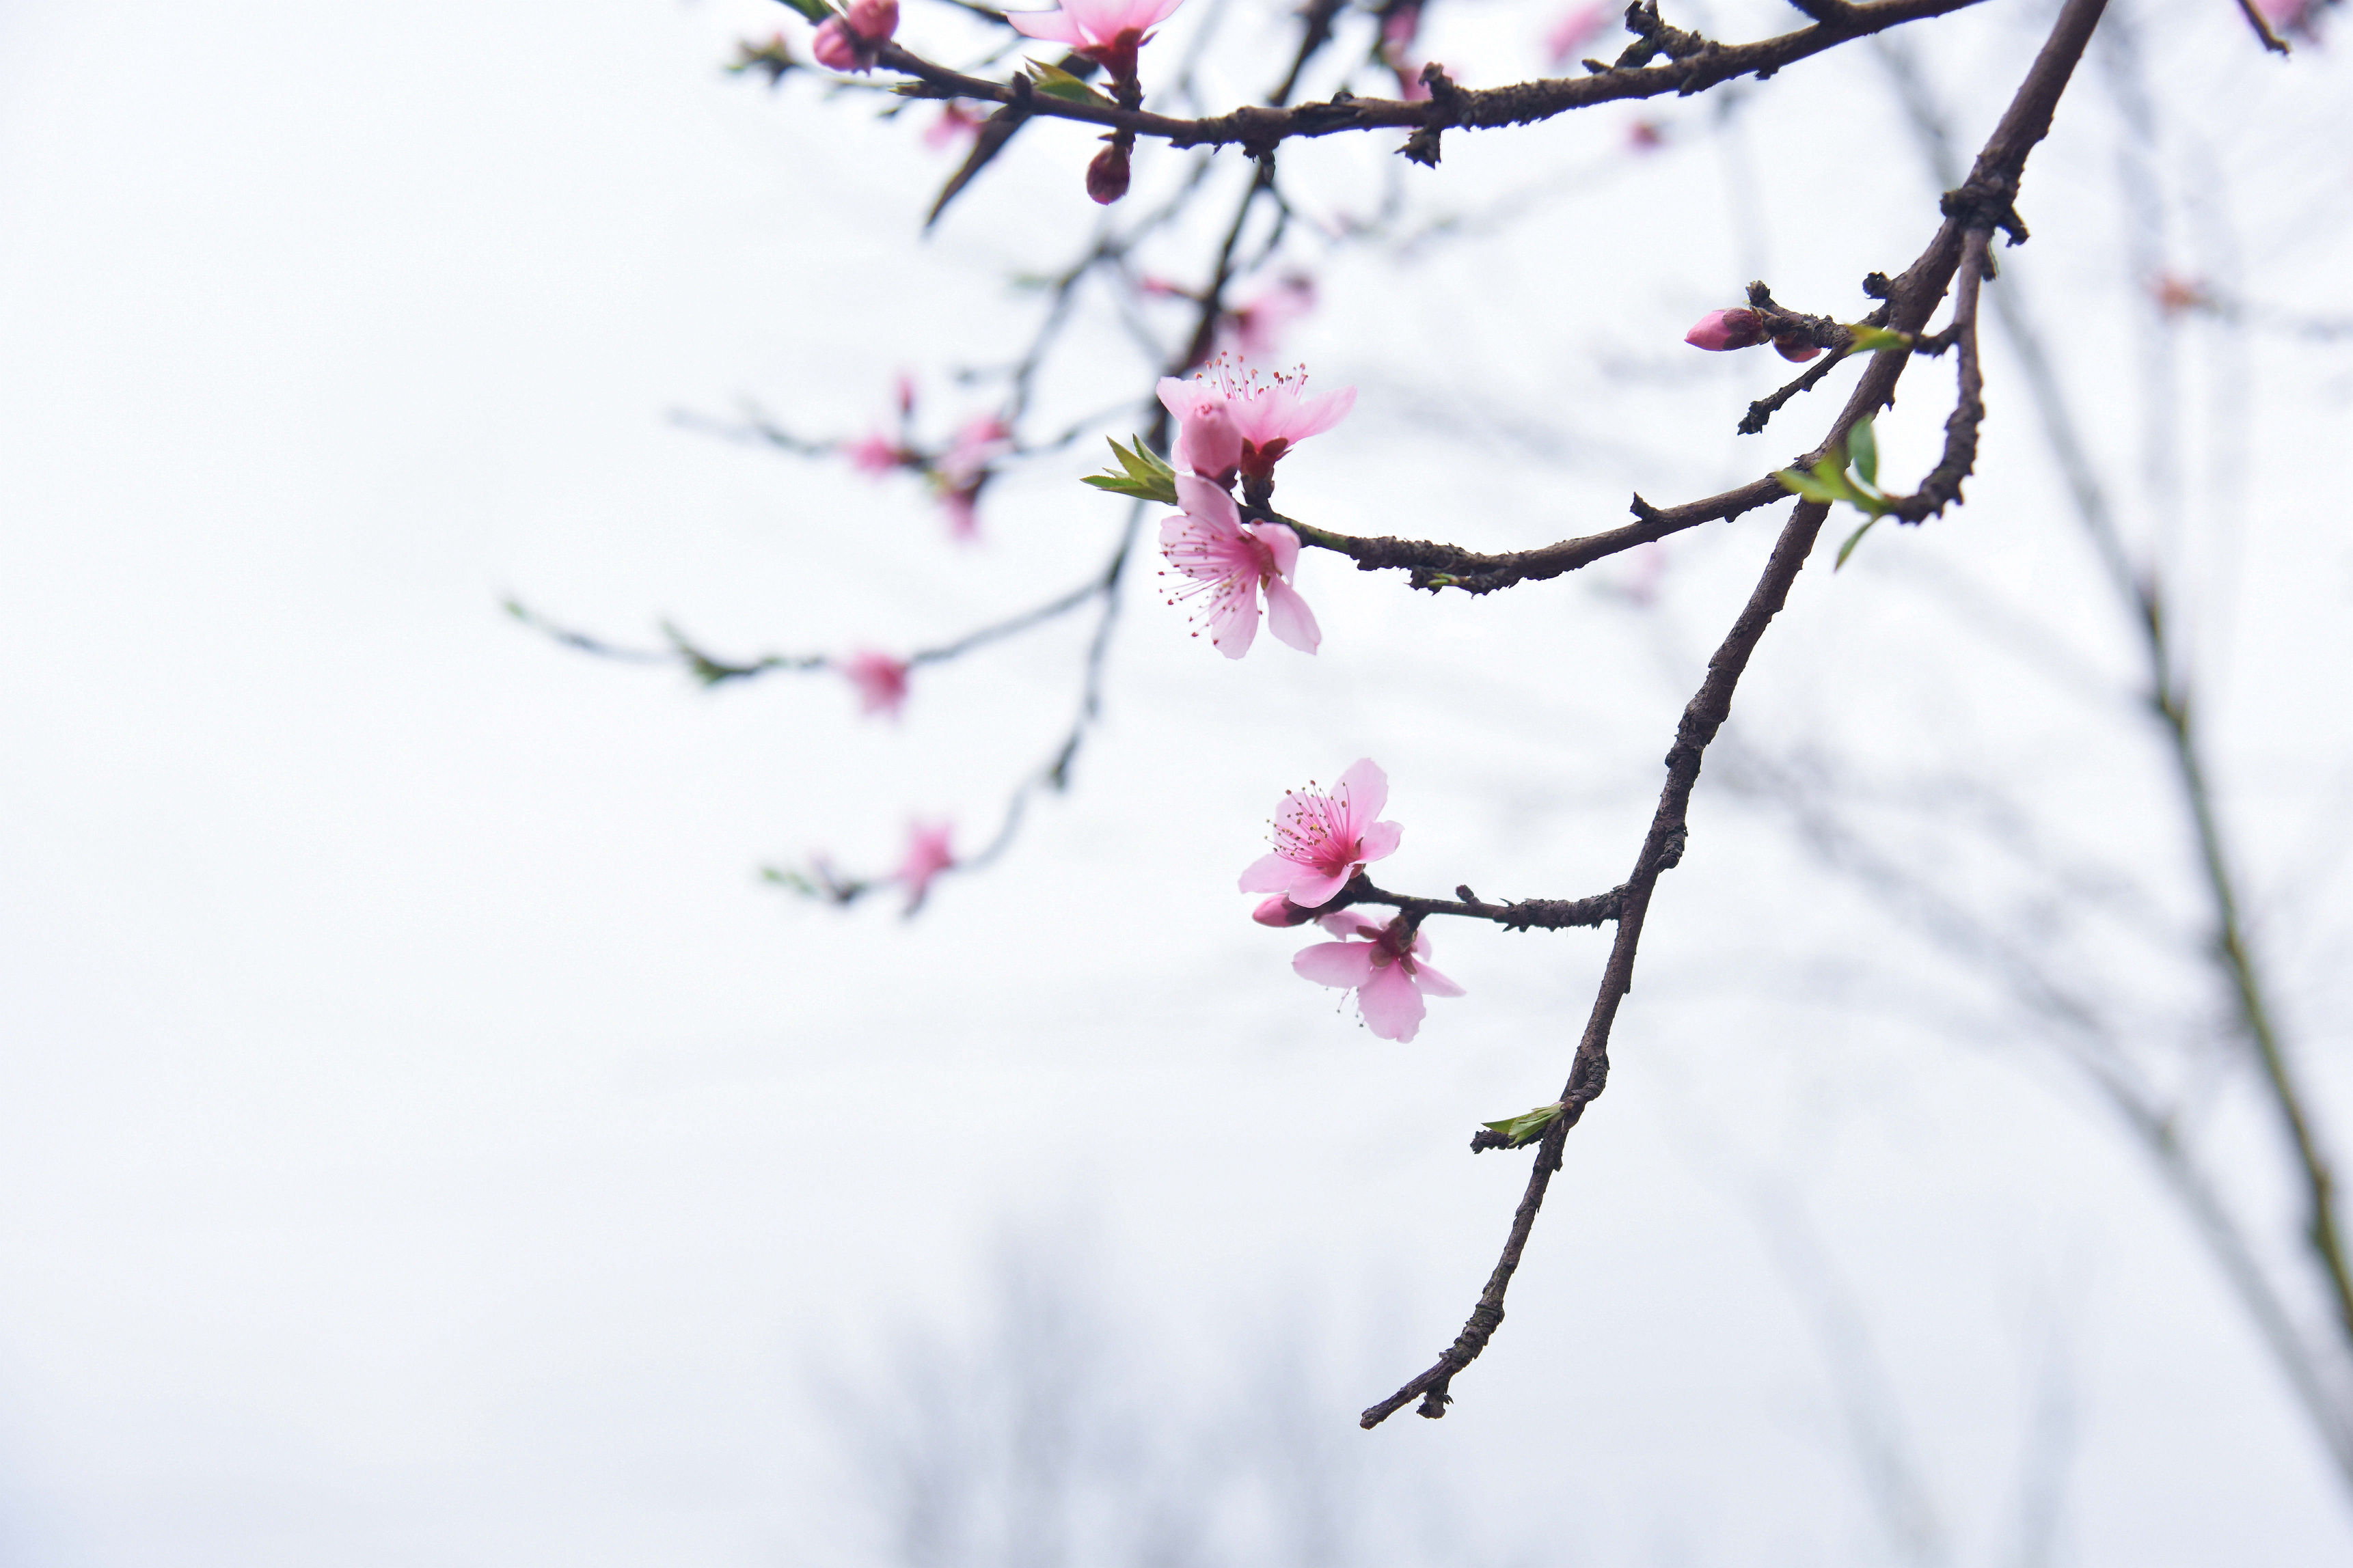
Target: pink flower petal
1433, 982
1314, 415
1233, 624
1379, 840
1314, 887
1052, 26
1366, 790
1280, 540
1288, 616
1357, 924
1390, 1001
1207, 503
1349, 963
1269, 874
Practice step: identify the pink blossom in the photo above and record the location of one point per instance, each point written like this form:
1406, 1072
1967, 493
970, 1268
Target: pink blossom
1107, 31
876, 455
964, 514
2295, 16
1396, 44
853, 42
1645, 136
1273, 414
1720, 330
981, 442
1279, 910
927, 856
1255, 331
1322, 838
1576, 28
1230, 561
882, 681
1387, 966
956, 123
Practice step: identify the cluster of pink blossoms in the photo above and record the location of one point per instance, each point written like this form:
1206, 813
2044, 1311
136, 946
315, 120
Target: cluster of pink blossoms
1322, 839
1231, 426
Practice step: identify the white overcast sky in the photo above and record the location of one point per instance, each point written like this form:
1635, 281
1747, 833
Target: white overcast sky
423, 1142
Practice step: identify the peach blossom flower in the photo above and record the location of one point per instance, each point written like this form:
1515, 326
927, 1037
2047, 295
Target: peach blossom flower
1107, 31
881, 680
1255, 331
1230, 561
1387, 965
874, 454
1273, 413
1322, 838
956, 123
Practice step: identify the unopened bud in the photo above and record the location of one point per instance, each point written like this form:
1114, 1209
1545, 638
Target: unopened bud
1720, 330
1794, 349
1279, 911
1107, 175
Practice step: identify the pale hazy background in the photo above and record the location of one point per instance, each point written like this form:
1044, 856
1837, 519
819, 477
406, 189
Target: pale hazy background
423, 1142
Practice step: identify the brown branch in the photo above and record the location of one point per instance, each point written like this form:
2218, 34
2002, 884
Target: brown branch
1942, 487
1911, 299
1257, 128
1528, 914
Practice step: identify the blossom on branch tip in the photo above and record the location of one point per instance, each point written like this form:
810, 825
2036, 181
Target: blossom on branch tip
1231, 561
1108, 32
881, 680
1272, 414
1322, 838
853, 42
1386, 963
1279, 910
927, 856
1720, 330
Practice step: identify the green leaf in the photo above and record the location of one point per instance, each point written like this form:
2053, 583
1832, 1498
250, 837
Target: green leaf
1855, 539
1807, 486
814, 10
1527, 1127
1142, 475
1831, 473
1869, 338
1863, 451
1052, 80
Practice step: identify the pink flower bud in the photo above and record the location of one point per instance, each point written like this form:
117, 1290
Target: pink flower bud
1107, 175
1279, 911
874, 20
1796, 350
1211, 443
1720, 330
851, 43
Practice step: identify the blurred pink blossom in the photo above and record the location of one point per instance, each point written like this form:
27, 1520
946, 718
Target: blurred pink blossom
1273, 413
1107, 31
881, 680
1387, 965
1397, 52
852, 42
927, 856
1645, 136
963, 513
956, 123
1255, 331
981, 442
1322, 838
1577, 27
875, 455
2296, 17
1230, 561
